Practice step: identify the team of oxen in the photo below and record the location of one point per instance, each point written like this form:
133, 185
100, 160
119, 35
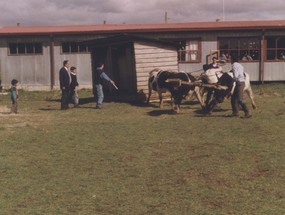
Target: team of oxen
213, 86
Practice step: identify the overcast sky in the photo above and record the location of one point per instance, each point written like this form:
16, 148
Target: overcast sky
86, 12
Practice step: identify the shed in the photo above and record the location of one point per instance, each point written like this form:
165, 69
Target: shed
129, 59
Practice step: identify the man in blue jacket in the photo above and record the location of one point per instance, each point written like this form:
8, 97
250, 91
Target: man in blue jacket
98, 77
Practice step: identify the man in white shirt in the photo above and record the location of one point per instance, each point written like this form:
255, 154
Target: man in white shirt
237, 97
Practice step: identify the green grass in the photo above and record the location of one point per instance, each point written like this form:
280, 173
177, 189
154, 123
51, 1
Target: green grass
138, 159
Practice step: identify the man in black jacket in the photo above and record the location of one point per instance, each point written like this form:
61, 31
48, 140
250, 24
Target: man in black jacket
64, 80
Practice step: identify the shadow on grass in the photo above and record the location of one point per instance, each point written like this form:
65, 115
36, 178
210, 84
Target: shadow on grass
58, 108
116, 97
82, 101
125, 99
49, 109
203, 113
143, 104
191, 102
5, 113
161, 112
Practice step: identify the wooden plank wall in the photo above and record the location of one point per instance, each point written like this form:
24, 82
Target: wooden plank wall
149, 56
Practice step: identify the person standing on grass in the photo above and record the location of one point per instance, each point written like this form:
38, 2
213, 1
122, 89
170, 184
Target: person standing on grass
74, 86
237, 97
14, 96
98, 77
65, 80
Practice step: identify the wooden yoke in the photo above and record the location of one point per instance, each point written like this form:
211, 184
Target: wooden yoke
179, 82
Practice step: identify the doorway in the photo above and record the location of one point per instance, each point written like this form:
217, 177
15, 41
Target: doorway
119, 65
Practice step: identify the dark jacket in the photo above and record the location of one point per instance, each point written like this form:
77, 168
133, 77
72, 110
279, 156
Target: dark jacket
64, 79
74, 82
99, 76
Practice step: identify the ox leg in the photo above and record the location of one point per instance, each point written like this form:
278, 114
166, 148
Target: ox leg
177, 108
208, 98
149, 95
172, 103
177, 103
199, 97
174, 106
203, 93
190, 94
160, 100
251, 97
211, 106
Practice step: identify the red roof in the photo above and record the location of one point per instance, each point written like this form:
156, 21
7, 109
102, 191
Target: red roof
127, 28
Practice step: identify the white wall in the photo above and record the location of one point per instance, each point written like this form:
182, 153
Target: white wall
29, 70
81, 61
274, 71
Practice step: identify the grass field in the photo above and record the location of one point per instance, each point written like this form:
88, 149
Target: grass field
134, 159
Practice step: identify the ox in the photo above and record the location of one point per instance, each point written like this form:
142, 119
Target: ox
213, 75
158, 82
219, 95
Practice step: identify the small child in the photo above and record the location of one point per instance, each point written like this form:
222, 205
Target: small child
14, 96
74, 86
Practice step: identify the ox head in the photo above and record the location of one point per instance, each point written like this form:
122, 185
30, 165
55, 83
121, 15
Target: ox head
151, 79
225, 80
219, 95
153, 73
180, 92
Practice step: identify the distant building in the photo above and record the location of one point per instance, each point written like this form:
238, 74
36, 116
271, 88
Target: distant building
34, 54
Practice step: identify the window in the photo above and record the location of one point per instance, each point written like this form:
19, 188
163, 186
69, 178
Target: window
25, 48
13, 48
275, 48
74, 47
190, 51
246, 49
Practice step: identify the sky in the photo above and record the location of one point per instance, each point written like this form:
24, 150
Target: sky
93, 12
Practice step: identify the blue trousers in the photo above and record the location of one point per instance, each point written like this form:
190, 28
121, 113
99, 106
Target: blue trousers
99, 95
74, 97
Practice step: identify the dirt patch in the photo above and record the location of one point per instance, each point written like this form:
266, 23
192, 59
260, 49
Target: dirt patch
4, 110
13, 122
16, 125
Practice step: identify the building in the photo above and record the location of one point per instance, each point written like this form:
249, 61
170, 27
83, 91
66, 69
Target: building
34, 54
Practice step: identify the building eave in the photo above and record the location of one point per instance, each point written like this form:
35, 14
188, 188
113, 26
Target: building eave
139, 28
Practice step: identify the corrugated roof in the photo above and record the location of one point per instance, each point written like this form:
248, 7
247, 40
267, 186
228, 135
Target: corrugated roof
127, 28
